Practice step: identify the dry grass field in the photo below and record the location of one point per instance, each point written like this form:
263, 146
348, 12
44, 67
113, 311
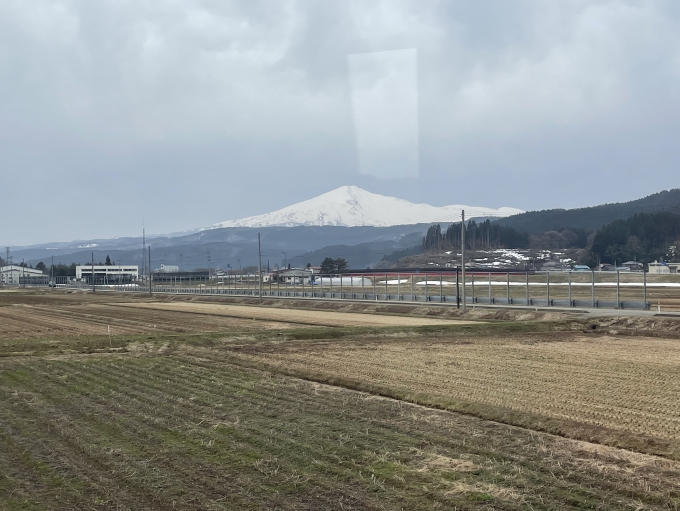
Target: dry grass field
168, 432
185, 407
617, 390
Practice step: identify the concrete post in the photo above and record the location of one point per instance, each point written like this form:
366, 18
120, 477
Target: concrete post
472, 283
569, 277
592, 290
489, 288
528, 298
457, 289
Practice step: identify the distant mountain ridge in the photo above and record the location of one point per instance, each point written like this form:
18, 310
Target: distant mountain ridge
361, 245
593, 217
351, 206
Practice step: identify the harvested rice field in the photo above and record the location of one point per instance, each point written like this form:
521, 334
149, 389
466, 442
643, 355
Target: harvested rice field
222, 405
613, 389
170, 432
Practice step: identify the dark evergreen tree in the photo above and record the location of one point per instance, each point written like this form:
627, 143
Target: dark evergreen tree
642, 237
340, 265
327, 265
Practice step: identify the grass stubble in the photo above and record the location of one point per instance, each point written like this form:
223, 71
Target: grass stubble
620, 391
211, 421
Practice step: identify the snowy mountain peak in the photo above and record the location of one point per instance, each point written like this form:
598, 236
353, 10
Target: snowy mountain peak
351, 206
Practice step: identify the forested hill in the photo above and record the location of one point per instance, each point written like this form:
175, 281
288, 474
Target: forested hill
592, 217
641, 237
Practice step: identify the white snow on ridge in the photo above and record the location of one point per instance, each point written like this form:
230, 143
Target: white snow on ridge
351, 206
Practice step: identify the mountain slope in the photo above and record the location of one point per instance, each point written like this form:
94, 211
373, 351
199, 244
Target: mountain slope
234, 245
350, 206
593, 217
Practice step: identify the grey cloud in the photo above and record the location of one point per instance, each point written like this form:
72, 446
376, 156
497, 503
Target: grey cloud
186, 113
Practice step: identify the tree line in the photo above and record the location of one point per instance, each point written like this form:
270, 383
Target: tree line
484, 235
642, 237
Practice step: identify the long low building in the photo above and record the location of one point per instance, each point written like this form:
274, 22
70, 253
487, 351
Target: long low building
180, 276
16, 274
111, 273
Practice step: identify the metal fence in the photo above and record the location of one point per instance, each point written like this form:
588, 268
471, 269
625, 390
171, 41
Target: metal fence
615, 290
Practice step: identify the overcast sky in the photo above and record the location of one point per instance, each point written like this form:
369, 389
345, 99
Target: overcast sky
183, 113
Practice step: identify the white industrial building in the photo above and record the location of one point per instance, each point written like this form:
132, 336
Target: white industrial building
12, 273
111, 273
663, 268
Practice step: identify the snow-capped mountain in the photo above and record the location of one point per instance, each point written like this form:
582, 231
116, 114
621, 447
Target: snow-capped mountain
351, 206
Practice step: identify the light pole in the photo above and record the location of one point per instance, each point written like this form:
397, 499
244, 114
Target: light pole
462, 253
259, 265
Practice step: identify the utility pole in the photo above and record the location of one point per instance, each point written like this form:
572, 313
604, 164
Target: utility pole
149, 270
52, 273
259, 264
93, 290
462, 237
143, 249
23, 272
6, 275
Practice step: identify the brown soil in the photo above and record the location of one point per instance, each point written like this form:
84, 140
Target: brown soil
39, 321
